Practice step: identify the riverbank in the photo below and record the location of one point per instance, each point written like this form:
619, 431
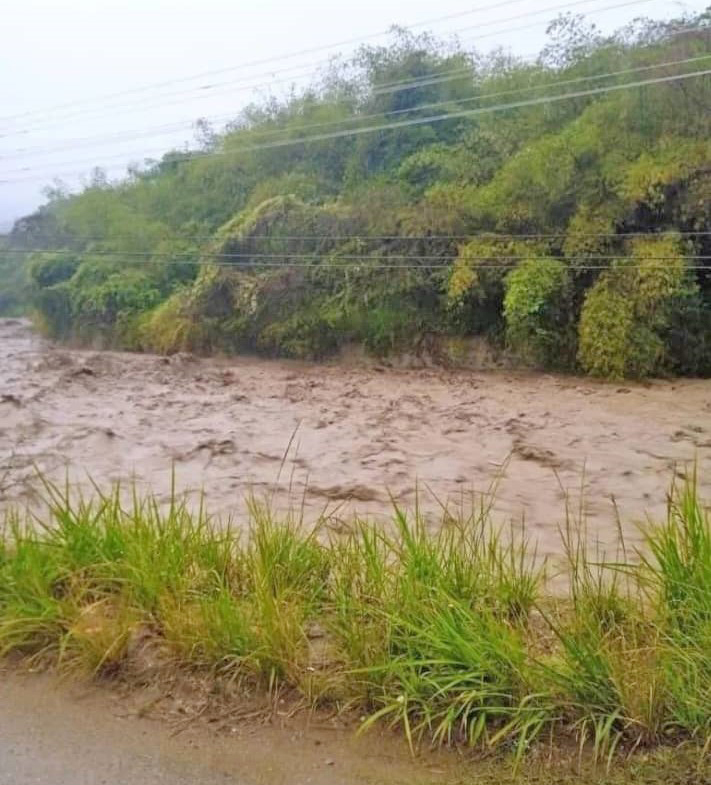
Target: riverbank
450, 636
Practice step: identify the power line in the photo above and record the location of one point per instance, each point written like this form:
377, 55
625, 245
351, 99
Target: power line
469, 112
155, 255
130, 136
490, 236
312, 50
203, 89
375, 89
200, 92
177, 125
266, 61
407, 123
380, 266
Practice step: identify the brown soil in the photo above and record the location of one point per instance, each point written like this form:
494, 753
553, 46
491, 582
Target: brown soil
359, 434
64, 732
68, 733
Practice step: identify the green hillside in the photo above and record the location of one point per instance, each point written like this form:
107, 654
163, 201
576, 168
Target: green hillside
416, 193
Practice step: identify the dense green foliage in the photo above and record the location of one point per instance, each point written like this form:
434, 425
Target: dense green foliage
537, 310
522, 224
630, 313
14, 292
446, 632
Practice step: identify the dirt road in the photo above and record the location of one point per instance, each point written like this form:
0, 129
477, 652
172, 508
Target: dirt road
59, 734
359, 433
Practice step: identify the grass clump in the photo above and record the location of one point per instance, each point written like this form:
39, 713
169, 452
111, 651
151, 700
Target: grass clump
678, 569
450, 633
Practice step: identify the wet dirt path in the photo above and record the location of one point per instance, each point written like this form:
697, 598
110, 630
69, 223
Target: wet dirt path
358, 433
56, 733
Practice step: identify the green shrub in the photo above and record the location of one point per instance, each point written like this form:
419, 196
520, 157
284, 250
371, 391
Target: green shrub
48, 269
475, 287
634, 319
537, 310
611, 343
108, 307
89, 297
688, 337
209, 315
307, 335
168, 328
54, 310
387, 328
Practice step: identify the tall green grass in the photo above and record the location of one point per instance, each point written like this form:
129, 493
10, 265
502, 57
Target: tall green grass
449, 632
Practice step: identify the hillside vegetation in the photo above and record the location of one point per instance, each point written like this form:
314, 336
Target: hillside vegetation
574, 233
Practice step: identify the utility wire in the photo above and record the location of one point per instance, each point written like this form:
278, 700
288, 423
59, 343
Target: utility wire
309, 51
489, 236
260, 62
177, 125
404, 123
330, 265
131, 136
155, 255
529, 59
203, 89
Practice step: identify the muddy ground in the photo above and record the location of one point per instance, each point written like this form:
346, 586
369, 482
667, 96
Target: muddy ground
354, 435
66, 733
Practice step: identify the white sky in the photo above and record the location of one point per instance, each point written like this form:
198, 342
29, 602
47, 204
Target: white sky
54, 52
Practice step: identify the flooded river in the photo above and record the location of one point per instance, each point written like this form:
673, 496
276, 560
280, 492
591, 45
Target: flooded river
339, 438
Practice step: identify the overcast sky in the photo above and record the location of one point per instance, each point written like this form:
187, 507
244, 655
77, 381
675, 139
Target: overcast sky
59, 57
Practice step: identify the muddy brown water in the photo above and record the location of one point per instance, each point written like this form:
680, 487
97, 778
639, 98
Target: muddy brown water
360, 434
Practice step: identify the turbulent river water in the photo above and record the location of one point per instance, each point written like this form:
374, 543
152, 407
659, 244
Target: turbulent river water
341, 438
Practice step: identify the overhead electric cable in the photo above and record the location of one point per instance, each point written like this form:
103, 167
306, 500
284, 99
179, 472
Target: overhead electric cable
307, 51
360, 258
405, 123
550, 9
131, 136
